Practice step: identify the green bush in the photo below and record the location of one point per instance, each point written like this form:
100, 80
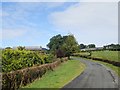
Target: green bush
49, 59
16, 59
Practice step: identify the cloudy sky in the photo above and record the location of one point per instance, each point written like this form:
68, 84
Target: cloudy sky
33, 24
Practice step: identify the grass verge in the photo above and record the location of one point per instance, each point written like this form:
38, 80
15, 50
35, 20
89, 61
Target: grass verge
62, 75
114, 68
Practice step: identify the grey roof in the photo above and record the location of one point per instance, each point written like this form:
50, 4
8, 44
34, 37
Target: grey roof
31, 47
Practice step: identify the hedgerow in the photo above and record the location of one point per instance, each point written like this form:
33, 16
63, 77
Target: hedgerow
16, 79
16, 59
115, 63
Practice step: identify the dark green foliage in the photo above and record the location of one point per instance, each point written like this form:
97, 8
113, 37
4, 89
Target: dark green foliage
70, 45
60, 53
8, 48
91, 46
113, 47
62, 46
49, 59
82, 46
21, 48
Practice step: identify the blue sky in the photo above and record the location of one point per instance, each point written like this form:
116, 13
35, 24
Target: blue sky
33, 24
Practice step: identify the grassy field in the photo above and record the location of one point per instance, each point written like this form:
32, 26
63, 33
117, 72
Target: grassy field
60, 76
110, 55
84, 53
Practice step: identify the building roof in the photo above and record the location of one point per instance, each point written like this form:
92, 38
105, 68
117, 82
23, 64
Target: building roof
31, 47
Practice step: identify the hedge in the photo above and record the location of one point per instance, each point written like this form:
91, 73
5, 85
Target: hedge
115, 63
15, 59
15, 79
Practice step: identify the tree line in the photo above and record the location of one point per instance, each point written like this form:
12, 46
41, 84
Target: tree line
82, 46
112, 47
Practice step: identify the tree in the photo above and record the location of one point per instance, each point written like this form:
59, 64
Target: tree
70, 45
55, 43
91, 46
60, 53
112, 47
21, 48
63, 46
8, 48
82, 46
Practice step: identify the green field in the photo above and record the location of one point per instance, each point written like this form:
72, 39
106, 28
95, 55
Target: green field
60, 76
83, 53
109, 55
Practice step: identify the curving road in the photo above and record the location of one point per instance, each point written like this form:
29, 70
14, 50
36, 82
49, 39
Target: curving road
94, 76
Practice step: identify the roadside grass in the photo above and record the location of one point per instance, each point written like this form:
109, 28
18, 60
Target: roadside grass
114, 68
62, 75
109, 55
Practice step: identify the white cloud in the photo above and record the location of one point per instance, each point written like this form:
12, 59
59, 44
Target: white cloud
11, 33
90, 22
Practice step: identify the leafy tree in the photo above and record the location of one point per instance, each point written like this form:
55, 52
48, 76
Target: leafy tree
63, 46
91, 46
60, 53
70, 45
8, 48
21, 48
112, 47
55, 43
82, 46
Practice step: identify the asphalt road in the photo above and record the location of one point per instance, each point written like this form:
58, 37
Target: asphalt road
94, 76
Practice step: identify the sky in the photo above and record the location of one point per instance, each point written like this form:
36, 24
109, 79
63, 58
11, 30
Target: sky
34, 23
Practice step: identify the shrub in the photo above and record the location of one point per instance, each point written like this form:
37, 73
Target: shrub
49, 59
15, 79
16, 59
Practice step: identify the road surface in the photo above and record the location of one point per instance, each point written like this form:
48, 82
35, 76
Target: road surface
94, 76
